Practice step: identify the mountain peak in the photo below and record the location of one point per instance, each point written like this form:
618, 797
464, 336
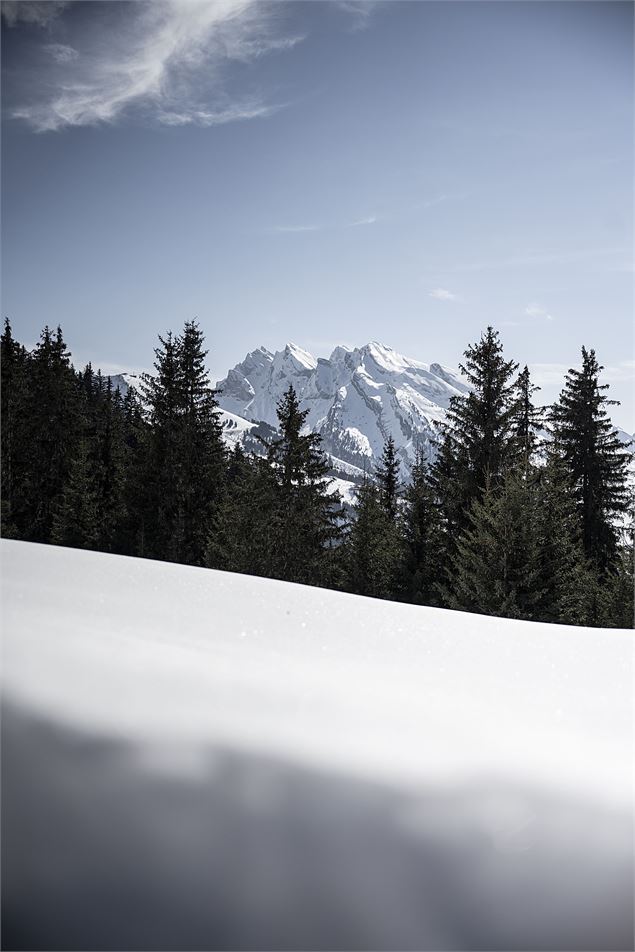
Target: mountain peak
300, 355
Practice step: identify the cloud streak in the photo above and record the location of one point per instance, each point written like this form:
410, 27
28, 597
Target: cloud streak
169, 58
442, 294
39, 12
537, 311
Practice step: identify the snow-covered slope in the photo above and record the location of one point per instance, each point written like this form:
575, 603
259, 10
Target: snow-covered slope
356, 399
194, 759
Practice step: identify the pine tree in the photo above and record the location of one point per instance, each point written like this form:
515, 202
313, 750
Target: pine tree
596, 461
568, 585
306, 522
497, 564
526, 421
370, 562
203, 457
14, 443
109, 458
388, 479
476, 448
419, 570
76, 518
52, 426
184, 457
240, 538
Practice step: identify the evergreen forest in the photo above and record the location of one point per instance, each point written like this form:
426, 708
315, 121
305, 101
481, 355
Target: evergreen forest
524, 511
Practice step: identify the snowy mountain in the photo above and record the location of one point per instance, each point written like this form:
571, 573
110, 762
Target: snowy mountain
356, 398
199, 760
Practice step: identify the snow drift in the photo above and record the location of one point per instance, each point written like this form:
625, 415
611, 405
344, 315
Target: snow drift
196, 760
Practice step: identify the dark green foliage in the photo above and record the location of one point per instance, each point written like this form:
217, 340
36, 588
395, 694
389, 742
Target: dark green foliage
183, 457
305, 524
567, 583
497, 565
76, 517
50, 429
527, 421
371, 546
14, 449
388, 479
596, 460
239, 539
477, 448
421, 539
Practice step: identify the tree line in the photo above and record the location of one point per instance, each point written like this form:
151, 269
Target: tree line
525, 512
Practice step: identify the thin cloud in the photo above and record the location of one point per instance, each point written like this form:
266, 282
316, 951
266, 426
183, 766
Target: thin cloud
294, 229
325, 226
364, 221
442, 294
168, 60
359, 11
536, 311
34, 11
60, 52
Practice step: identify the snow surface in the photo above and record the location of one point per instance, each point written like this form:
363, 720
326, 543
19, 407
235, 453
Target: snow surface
195, 759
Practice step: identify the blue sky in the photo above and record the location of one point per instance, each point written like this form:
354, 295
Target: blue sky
326, 172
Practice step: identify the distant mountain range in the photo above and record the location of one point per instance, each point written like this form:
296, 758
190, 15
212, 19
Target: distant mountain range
355, 399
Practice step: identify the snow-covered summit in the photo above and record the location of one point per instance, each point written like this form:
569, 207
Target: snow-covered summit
356, 398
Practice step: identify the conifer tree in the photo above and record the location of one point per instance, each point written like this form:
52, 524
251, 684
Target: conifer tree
526, 421
496, 568
388, 479
476, 448
183, 455
240, 535
370, 560
595, 459
306, 520
419, 570
76, 518
14, 448
567, 583
52, 419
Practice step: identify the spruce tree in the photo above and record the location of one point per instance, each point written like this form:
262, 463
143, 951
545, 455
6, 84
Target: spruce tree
370, 561
496, 568
76, 518
476, 448
388, 479
595, 459
52, 428
15, 446
306, 522
568, 585
183, 455
419, 569
239, 538
527, 421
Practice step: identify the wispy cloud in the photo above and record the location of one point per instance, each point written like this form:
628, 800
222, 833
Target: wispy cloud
442, 294
60, 52
40, 12
537, 311
294, 229
359, 11
363, 221
324, 226
168, 58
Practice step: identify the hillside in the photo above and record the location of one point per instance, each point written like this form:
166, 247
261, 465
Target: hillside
194, 759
